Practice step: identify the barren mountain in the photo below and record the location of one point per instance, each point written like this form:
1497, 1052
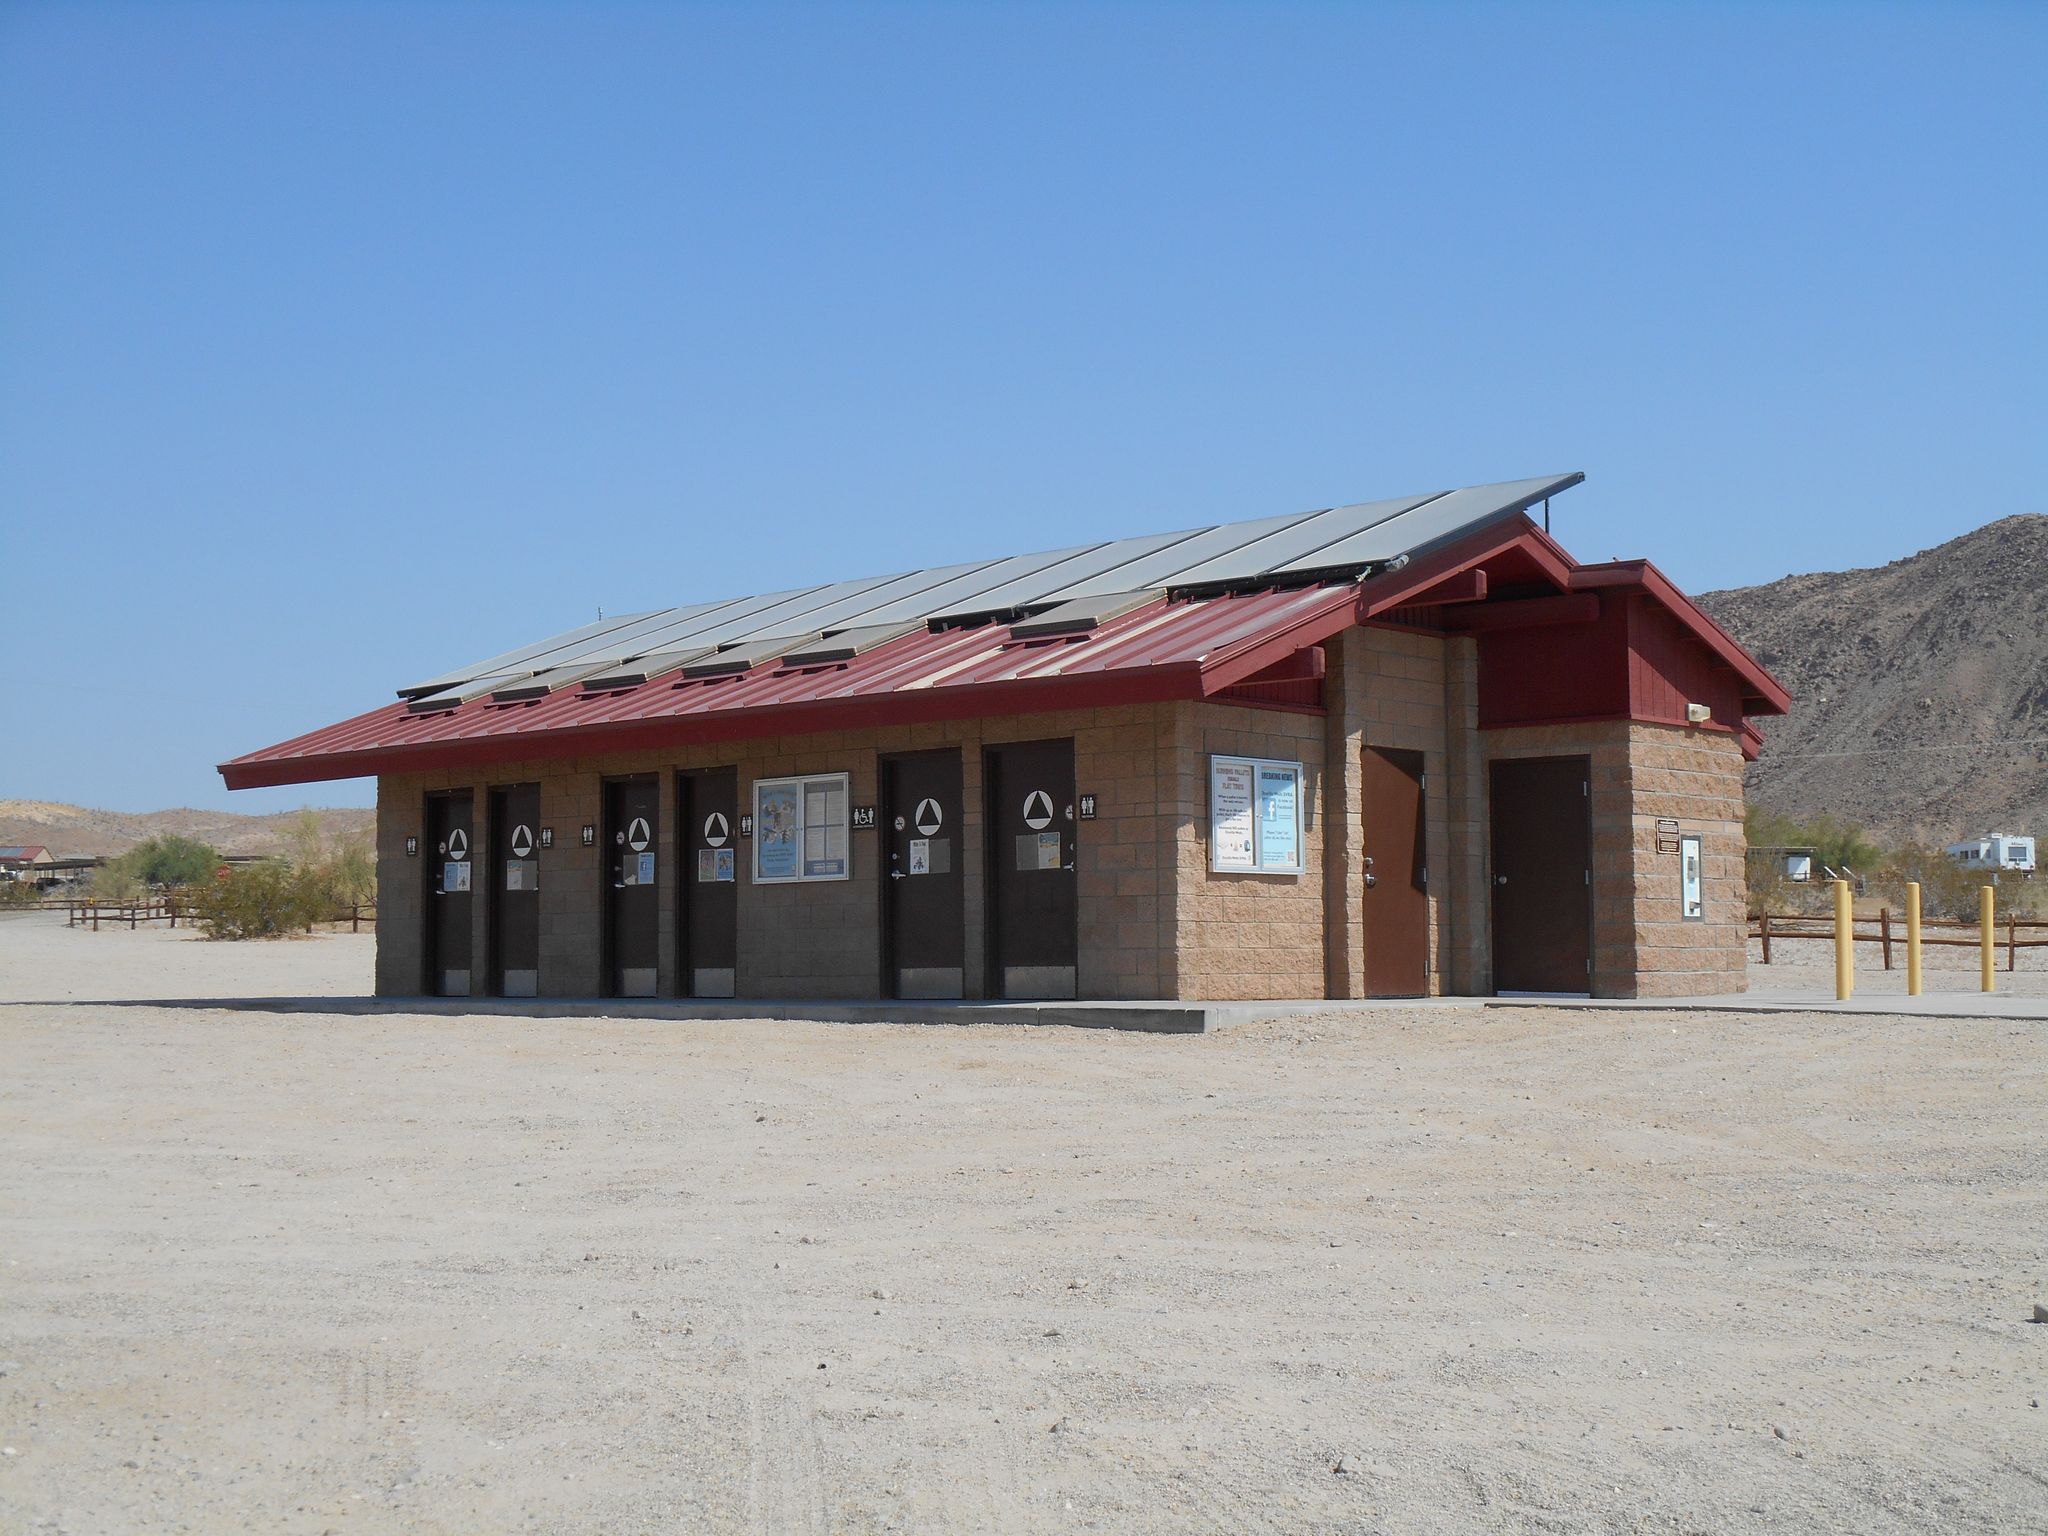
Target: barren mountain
75, 830
1919, 689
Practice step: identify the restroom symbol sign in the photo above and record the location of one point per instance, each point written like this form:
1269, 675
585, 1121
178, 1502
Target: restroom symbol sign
1037, 810
637, 834
458, 845
716, 830
929, 817
522, 841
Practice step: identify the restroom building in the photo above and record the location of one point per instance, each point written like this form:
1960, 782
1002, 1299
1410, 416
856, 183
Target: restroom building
1391, 748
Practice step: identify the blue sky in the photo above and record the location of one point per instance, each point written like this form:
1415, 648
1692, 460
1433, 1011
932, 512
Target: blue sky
340, 344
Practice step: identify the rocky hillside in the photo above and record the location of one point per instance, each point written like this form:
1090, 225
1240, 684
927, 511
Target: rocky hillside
1920, 689
75, 831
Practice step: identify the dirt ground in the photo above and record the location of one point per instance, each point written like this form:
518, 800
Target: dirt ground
1560, 1271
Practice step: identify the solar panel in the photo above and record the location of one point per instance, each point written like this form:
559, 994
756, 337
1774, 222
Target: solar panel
1431, 523
1081, 613
857, 615
743, 657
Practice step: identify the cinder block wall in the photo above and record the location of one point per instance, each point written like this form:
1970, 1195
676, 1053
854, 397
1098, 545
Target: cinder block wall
1243, 935
820, 939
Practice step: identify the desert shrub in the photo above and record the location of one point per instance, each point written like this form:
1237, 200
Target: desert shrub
254, 901
18, 893
172, 861
337, 871
115, 880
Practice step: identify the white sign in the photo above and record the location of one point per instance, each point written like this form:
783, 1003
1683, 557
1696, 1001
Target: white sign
1037, 809
458, 844
929, 817
1255, 816
637, 834
455, 876
1692, 896
1231, 841
522, 841
716, 830
920, 856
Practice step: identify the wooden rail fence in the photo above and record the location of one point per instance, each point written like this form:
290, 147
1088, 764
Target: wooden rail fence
1883, 932
86, 912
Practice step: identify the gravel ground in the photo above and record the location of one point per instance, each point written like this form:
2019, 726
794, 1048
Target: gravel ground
1512, 1270
1809, 965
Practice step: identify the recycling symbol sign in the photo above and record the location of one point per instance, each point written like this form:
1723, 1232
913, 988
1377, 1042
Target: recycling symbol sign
522, 841
458, 845
716, 830
1037, 810
929, 817
637, 834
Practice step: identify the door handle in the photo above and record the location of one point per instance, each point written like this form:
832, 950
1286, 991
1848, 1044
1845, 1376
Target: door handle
1500, 879
1371, 879
895, 874
1368, 861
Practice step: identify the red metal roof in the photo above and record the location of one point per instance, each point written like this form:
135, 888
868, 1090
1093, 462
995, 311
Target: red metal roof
1168, 649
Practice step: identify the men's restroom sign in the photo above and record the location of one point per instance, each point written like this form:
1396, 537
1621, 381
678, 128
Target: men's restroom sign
716, 830
1037, 810
929, 817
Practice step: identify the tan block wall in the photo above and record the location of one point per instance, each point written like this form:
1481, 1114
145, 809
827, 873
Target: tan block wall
1243, 935
822, 939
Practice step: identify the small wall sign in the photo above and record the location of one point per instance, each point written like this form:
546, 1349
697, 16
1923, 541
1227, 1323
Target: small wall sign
746, 826
863, 818
547, 837
1667, 834
1691, 887
412, 847
589, 835
1087, 807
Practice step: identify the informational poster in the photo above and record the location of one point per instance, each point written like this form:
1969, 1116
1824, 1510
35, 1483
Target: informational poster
1279, 816
1692, 898
714, 865
920, 856
1231, 833
1255, 816
455, 875
644, 868
522, 875
778, 830
800, 829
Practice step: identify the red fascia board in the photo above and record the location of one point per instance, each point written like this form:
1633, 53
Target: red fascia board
918, 707
1335, 613
1763, 689
1403, 588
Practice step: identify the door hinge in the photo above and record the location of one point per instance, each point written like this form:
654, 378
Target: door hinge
1425, 878
1585, 788
1589, 967
1589, 877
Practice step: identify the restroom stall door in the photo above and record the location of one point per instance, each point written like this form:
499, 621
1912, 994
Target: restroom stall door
707, 885
632, 908
924, 915
1032, 899
515, 869
451, 835
1542, 874
1396, 901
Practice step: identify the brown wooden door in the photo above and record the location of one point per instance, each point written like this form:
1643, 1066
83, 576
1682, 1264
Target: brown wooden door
632, 813
515, 890
924, 917
1542, 875
451, 838
1396, 903
1032, 901
708, 810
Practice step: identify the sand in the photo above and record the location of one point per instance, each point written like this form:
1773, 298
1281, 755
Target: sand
1513, 1270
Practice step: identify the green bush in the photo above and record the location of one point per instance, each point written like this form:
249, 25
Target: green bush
18, 893
172, 861
254, 901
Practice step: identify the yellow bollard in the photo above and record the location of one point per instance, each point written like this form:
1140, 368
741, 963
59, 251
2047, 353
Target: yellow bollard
1912, 938
1985, 939
1845, 944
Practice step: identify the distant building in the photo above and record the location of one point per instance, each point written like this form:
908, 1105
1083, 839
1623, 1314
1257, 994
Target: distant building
17, 860
1995, 850
1768, 862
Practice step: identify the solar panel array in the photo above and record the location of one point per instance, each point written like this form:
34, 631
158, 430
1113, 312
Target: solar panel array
842, 618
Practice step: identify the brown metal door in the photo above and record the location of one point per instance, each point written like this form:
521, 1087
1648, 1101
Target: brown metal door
708, 807
924, 917
515, 890
1396, 903
451, 836
1032, 904
1542, 875
632, 911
